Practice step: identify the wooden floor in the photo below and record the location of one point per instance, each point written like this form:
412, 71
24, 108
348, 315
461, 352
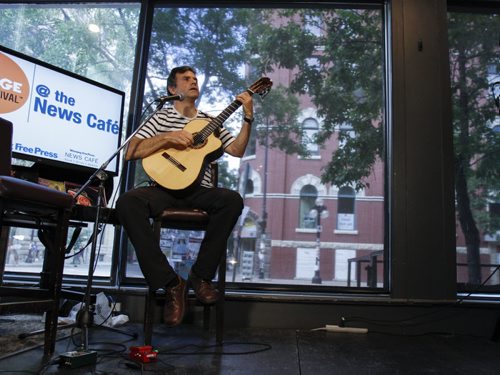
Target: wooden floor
189, 350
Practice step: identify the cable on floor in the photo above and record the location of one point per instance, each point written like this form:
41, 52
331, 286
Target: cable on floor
410, 321
178, 350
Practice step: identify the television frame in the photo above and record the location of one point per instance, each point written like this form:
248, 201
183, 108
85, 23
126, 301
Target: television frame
67, 164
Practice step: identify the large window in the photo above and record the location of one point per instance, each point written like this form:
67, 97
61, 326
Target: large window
326, 63
475, 65
97, 42
311, 128
346, 219
308, 195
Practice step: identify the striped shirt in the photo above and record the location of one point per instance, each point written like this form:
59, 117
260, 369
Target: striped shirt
168, 120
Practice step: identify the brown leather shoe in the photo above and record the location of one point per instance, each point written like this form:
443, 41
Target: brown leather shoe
175, 303
203, 289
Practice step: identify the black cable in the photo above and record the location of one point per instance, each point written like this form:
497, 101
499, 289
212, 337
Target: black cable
298, 351
101, 229
123, 348
175, 351
80, 250
401, 322
428, 333
480, 286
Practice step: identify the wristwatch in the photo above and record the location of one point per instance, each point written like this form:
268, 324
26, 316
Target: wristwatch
248, 119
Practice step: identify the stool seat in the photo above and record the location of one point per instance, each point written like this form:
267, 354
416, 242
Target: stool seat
183, 218
17, 189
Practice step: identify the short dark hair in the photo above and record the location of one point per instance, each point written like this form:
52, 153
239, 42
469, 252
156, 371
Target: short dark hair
171, 82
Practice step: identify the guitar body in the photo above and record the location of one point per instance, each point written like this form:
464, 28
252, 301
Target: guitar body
181, 169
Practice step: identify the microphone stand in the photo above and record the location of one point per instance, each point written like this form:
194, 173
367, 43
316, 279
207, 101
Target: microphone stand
85, 317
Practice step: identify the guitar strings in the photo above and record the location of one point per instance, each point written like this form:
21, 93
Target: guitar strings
216, 122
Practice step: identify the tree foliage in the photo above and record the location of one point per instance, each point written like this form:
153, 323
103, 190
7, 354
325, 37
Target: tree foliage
60, 36
278, 127
473, 50
337, 59
211, 40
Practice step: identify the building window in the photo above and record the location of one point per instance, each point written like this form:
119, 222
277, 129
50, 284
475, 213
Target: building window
308, 195
328, 83
311, 128
325, 80
249, 187
345, 133
313, 24
346, 219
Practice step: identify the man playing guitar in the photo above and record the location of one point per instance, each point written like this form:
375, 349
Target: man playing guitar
166, 130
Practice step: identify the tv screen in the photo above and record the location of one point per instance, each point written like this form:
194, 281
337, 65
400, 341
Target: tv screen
58, 116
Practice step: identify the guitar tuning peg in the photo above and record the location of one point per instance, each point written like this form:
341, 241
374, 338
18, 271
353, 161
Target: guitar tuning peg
264, 93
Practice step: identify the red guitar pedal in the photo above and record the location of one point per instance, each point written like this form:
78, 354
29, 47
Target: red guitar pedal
144, 354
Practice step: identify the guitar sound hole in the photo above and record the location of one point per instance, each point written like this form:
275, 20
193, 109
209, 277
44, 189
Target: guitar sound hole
198, 141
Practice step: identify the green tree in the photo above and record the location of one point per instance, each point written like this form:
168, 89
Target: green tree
337, 59
473, 44
214, 42
276, 116
227, 177
211, 40
60, 36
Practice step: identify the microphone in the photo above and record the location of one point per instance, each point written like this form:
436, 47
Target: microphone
167, 98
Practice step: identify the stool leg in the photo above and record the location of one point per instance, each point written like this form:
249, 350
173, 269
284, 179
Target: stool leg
150, 305
53, 280
219, 307
206, 317
149, 314
219, 320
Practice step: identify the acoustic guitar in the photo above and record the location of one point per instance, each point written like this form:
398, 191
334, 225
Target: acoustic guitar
181, 169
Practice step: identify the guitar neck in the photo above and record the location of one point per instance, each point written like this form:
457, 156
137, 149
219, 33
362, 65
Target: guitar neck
216, 122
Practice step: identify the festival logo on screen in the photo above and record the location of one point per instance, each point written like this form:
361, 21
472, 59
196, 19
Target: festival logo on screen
14, 86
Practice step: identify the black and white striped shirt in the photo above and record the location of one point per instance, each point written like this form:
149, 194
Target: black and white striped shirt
168, 119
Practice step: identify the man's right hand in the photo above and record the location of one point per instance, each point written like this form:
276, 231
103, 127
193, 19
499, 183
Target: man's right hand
178, 139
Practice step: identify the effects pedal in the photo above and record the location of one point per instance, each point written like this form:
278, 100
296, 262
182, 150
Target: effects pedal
78, 358
144, 354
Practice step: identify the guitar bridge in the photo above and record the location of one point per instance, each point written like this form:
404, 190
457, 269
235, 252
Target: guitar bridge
174, 161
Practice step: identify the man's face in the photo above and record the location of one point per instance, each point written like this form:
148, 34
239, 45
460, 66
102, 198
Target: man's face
187, 85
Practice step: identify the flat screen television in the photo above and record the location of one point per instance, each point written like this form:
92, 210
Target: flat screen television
59, 117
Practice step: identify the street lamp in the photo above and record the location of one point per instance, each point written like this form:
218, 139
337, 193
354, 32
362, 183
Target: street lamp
263, 246
233, 262
495, 92
318, 212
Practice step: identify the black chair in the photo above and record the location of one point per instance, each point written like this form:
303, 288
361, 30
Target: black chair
30, 205
188, 219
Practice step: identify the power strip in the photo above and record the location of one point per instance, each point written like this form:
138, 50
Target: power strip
334, 328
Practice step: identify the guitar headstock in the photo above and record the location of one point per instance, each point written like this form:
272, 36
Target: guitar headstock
262, 86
